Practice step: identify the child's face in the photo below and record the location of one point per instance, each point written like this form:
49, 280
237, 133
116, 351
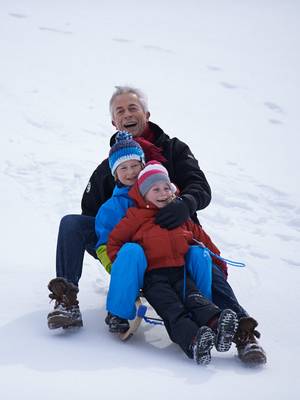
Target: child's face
127, 172
160, 194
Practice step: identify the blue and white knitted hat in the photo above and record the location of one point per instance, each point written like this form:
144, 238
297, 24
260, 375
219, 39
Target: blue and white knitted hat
124, 149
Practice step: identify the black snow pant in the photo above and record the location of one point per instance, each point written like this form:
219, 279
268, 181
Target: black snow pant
179, 303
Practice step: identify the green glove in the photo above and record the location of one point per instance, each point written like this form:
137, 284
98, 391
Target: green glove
103, 257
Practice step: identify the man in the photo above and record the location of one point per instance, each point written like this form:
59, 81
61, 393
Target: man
129, 111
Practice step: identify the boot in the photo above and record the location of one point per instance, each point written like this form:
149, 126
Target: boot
249, 350
116, 324
227, 326
202, 345
66, 313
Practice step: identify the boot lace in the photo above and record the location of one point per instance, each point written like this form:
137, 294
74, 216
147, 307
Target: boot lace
246, 332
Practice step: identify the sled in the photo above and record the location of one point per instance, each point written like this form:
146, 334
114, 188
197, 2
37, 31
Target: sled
140, 316
134, 325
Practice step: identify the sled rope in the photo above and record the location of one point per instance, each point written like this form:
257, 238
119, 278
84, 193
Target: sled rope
153, 321
184, 284
229, 262
141, 314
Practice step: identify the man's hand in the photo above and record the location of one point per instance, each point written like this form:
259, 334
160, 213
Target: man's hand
176, 212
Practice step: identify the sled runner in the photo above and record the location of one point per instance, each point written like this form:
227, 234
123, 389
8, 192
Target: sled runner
140, 316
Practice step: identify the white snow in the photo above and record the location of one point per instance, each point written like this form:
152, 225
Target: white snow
221, 75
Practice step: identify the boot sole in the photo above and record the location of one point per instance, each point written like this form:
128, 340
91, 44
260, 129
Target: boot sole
205, 342
227, 327
60, 321
254, 356
118, 329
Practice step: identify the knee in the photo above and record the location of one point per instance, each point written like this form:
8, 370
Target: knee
134, 257
132, 250
197, 253
70, 223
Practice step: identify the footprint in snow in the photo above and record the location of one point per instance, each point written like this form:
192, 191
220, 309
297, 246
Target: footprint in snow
274, 107
287, 238
157, 48
45, 28
291, 262
122, 40
259, 255
275, 121
17, 15
213, 68
227, 85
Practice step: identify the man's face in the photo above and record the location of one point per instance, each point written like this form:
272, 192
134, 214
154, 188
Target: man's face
128, 114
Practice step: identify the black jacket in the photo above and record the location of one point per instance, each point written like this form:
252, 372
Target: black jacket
181, 164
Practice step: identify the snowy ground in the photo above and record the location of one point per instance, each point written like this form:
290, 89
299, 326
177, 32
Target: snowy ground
221, 75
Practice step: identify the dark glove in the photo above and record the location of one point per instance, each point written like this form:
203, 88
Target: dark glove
177, 212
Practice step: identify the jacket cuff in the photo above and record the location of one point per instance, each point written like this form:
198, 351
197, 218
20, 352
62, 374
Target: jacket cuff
190, 201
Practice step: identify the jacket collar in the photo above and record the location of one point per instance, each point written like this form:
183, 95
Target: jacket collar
121, 190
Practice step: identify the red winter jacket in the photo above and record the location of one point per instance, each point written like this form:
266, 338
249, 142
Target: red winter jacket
162, 247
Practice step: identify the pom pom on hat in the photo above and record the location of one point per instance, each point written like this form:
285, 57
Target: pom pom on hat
152, 173
124, 149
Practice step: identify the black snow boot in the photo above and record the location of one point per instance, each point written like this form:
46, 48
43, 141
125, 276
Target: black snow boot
116, 324
226, 327
66, 313
249, 350
202, 345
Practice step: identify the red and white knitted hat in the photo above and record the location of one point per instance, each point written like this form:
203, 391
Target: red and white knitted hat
152, 173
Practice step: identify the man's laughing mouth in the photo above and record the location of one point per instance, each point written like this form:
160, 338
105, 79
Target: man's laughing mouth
130, 125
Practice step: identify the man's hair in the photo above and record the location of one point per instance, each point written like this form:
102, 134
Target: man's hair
129, 89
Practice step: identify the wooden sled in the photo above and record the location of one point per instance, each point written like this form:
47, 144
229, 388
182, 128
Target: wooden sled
141, 311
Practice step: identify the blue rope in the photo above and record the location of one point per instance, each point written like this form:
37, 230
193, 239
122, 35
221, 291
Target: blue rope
184, 284
229, 262
153, 321
141, 313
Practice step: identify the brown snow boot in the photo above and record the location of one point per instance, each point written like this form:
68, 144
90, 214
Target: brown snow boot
249, 350
66, 313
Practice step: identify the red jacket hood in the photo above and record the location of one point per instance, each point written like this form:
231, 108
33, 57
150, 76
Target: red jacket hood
135, 194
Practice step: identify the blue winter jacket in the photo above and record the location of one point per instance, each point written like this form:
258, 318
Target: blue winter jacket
111, 212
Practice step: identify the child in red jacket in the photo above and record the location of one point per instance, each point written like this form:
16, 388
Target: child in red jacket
193, 322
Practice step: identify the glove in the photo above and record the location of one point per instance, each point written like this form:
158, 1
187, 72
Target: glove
176, 212
103, 257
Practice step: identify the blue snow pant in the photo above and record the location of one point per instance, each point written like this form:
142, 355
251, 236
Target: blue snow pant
127, 277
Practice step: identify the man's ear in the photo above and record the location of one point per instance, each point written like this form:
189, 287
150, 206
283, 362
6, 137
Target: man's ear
148, 115
113, 122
